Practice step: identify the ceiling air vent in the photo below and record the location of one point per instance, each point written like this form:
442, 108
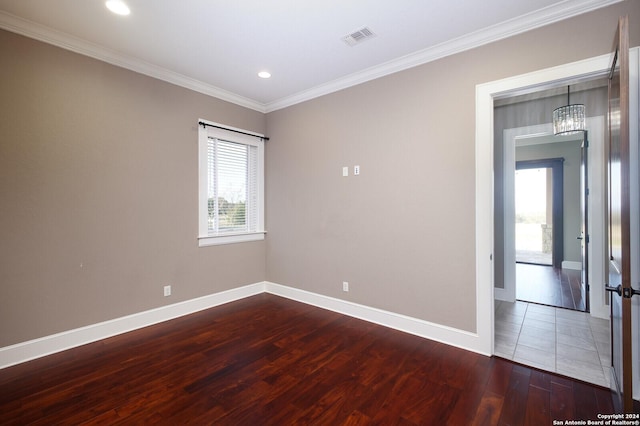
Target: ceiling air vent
358, 36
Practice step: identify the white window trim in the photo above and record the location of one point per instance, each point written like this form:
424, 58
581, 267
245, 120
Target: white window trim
230, 134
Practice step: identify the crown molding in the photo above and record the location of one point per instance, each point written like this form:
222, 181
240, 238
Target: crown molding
533, 20
48, 35
503, 30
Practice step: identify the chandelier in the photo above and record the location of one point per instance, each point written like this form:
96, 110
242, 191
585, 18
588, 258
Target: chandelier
569, 118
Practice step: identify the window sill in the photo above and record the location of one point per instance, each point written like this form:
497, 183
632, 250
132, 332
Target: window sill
230, 239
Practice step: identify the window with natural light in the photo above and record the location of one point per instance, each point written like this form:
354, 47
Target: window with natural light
231, 193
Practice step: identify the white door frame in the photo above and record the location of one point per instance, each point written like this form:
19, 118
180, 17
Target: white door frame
485, 94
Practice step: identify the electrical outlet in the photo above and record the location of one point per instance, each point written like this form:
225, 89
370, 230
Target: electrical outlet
345, 286
356, 170
167, 290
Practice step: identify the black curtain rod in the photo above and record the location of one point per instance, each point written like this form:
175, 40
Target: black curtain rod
203, 124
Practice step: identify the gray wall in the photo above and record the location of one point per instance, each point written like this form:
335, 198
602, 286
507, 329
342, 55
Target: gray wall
99, 190
403, 232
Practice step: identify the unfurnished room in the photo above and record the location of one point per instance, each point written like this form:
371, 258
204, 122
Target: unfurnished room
318, 212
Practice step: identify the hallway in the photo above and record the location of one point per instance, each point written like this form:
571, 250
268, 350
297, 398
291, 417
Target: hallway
559, 340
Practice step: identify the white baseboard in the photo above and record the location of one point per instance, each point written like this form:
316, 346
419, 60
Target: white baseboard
428, 330
570, 264
32, 349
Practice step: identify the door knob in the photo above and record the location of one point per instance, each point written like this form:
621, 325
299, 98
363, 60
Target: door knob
626, 292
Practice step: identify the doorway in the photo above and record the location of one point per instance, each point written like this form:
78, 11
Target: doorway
546, 195
556, 221
546, 296
539, 203
486, 215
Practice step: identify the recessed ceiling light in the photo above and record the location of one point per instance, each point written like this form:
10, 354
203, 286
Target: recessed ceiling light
118, 7
264, 74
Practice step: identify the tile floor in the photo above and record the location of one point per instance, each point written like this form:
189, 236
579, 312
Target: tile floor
563, 341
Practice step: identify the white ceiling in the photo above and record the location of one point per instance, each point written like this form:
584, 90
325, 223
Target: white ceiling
218, 46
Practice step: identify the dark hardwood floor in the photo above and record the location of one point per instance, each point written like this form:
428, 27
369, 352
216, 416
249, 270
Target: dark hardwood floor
268, 360
550, 286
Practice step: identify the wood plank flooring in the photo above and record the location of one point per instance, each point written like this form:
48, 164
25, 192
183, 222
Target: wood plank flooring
266, 360
550, 286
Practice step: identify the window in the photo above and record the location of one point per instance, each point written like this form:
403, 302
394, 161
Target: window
231, 185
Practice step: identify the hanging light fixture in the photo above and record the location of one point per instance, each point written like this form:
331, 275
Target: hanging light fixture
569, 118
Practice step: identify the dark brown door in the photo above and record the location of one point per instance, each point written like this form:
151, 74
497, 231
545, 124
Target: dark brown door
619, 275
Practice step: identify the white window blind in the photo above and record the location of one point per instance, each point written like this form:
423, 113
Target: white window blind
231, 187
232, 178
